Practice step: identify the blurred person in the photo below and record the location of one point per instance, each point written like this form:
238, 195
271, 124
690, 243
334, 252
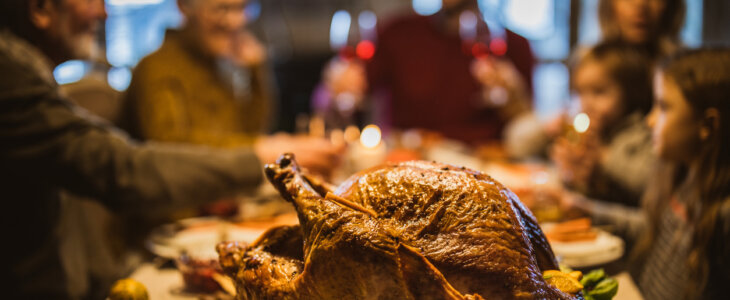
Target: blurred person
208, 85
650, 24
651, 27
688, 210
48, 145
429, 77
612, 161
683, 228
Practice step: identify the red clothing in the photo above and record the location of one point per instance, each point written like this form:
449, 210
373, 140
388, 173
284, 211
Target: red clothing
428, 81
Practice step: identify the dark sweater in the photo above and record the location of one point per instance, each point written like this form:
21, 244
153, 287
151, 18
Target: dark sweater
426, 75
48, 145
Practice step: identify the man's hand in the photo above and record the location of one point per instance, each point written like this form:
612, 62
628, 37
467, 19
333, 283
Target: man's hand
503, 85
345, 76
575, 205
496, 72
318, 155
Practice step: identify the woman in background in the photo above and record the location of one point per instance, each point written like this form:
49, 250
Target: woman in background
653, 25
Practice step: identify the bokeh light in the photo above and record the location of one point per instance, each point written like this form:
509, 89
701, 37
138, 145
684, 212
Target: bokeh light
426, 7
70, 71
581, 123
498, 47
370, 136
365, 50
352, 133
119, 78
340, 29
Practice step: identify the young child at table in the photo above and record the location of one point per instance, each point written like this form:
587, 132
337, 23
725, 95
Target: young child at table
612, 160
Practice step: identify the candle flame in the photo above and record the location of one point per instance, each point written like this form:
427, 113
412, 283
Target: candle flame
370, 136
581, 123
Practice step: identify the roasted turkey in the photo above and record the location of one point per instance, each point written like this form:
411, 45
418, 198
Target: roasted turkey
415, 230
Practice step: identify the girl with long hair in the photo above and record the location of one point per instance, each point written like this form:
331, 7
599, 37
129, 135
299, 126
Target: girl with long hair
685, 248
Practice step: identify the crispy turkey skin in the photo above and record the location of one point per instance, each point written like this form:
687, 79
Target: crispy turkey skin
415, 230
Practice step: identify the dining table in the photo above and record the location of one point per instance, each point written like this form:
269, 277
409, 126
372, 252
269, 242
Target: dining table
167, 284
165, 281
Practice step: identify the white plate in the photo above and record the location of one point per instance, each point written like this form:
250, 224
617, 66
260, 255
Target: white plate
604, 249
199, 239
